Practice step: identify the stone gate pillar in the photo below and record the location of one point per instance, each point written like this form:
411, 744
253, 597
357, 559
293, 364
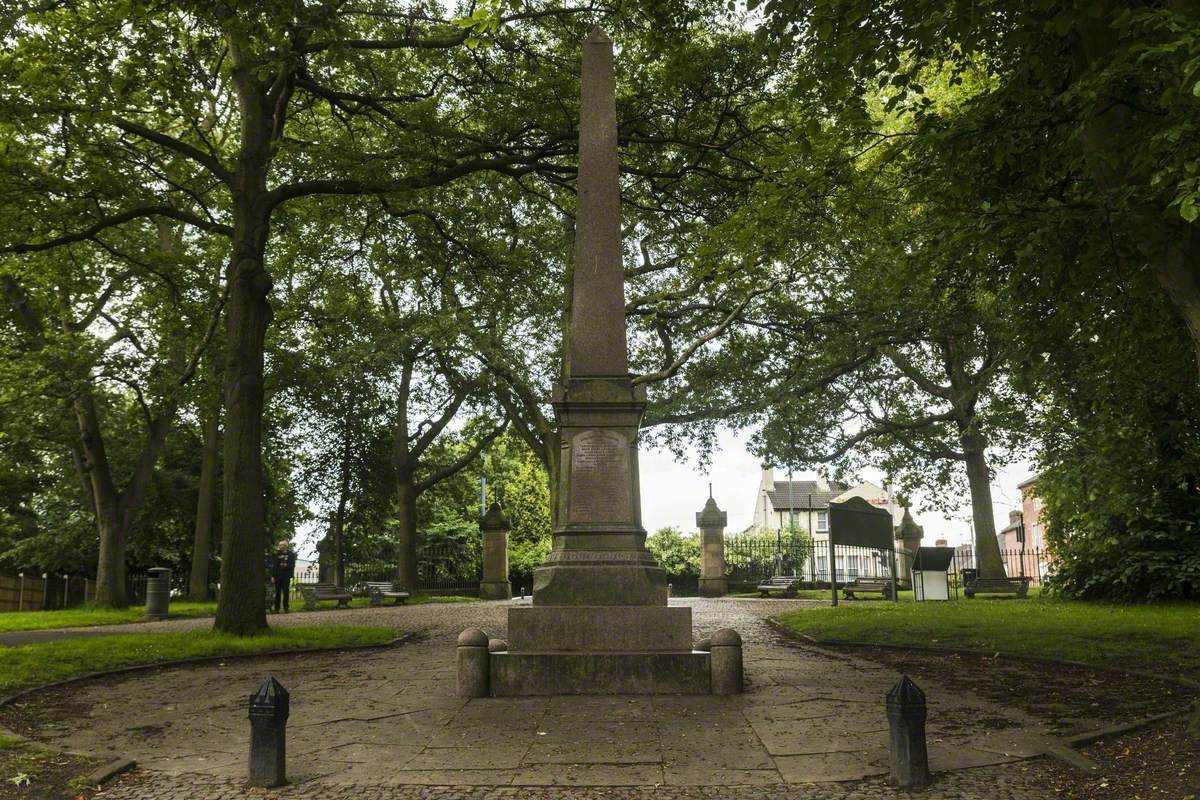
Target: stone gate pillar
711, 522
493, 529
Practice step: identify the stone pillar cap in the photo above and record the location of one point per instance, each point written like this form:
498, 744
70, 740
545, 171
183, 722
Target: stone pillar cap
711, 516
494, 519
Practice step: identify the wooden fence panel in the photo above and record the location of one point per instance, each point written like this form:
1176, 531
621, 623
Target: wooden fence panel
22, 594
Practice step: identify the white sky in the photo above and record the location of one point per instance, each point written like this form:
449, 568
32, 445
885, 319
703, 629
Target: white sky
672, 492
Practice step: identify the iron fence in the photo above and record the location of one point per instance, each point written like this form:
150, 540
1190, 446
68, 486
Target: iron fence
440, 568
752, 559
1033, 563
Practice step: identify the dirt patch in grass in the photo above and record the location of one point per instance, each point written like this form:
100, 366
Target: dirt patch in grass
1157, 763
28, 772
1160, 762
1072, 699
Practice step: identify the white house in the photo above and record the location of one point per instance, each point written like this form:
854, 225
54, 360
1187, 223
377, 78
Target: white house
782, 504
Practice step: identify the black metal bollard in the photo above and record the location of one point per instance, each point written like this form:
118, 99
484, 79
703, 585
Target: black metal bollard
268, 734
906, 721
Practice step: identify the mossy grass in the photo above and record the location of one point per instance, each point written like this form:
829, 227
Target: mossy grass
91, 616
1158, 638
47, 662
88, 616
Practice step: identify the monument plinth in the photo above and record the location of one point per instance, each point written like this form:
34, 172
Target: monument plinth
599, 623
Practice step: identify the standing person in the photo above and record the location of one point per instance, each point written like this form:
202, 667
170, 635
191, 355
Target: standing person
283, 569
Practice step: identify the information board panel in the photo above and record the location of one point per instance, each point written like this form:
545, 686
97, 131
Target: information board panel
859, 524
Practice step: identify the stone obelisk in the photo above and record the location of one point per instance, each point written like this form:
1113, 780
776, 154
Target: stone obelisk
599, 622
599, 556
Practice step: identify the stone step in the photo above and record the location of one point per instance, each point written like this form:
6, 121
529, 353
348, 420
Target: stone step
524, 674
544, 629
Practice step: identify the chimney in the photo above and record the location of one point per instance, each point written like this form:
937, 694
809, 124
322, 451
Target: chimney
1014, 517
768, 478
940, 543
823, 478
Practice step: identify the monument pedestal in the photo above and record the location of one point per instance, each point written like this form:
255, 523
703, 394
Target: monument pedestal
599, 650
520, 674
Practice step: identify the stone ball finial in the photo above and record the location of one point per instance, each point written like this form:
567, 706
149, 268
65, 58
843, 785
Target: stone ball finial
726, 637
472, 637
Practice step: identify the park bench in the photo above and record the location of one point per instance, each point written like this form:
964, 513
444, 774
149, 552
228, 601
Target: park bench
377, 590
314, 593
788, 584
1017, 586
881, 585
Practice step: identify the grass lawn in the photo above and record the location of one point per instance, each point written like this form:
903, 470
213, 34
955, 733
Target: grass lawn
46, 662
1164, 637
86, 617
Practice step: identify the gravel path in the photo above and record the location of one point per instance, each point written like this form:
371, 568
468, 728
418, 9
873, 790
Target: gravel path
385, 723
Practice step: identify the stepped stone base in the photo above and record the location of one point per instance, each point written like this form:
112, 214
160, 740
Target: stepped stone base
589, 629
523, 674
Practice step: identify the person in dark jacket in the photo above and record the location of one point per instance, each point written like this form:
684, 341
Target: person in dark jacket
283, 569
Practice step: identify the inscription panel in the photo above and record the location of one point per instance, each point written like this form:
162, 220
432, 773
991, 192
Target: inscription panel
600, 478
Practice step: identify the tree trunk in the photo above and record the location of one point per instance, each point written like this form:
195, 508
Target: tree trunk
110, 567
206, 502
987, 548
241, 608
406, 547
1176, 269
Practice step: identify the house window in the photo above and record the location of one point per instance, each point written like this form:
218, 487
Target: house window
822, 521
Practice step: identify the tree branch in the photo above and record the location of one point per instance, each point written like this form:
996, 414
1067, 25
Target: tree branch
206, 160
120, 219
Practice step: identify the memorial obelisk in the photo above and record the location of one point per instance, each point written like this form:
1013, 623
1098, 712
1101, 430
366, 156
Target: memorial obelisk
599, 622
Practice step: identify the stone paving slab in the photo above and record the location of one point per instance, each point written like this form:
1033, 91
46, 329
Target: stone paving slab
388, 718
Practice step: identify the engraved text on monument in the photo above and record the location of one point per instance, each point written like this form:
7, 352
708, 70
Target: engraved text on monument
600, 478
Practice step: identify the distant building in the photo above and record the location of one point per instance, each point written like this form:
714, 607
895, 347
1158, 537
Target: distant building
1023, 541
964, 555
782, 505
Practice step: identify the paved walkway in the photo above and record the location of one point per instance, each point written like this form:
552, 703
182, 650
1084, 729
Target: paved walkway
388, 720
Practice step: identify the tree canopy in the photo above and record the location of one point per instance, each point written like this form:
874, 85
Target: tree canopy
318, 254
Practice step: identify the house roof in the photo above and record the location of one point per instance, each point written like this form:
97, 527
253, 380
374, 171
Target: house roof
789, 495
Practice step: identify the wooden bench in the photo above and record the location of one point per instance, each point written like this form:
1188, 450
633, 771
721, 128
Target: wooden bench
881, 585
377, 590
314, 593
788, 584
1016, 586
